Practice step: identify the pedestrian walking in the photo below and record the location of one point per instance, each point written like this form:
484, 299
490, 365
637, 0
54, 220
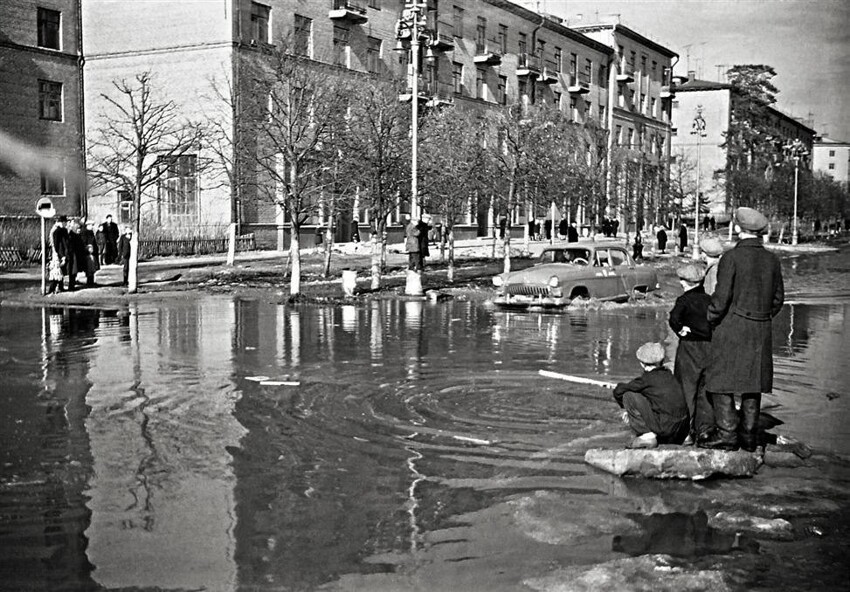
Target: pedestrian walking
661, 237
572, 233
749, 294
712, 249
654, 404
689, 321
683, 239
92, 256
424, 227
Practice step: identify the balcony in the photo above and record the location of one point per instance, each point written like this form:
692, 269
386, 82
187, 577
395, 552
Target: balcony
441, 97
626, 73
579, 83
488, 53
528, 65
550, 73
441, 41
348, 11
668, 92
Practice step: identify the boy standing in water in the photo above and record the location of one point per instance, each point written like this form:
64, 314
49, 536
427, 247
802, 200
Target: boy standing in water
654, 402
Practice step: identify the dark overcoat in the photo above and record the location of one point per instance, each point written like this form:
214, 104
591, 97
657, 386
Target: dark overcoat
749, 293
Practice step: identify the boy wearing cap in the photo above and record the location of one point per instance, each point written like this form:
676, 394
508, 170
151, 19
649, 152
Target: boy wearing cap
749, 293
654, 403
689, 321
712, 248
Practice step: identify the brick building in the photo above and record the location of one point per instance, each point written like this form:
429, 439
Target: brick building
41, 120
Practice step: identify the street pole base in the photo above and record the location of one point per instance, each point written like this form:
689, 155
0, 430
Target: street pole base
696, 252
413, 287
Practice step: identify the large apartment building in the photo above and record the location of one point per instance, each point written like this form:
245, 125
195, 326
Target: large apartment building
832, 158
41, 118
715, 102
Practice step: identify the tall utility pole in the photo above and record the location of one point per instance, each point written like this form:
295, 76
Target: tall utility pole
698, 129
797, 151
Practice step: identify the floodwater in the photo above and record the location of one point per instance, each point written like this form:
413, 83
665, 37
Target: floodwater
396, 444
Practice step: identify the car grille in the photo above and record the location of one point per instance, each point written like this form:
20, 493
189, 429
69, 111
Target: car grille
526, 290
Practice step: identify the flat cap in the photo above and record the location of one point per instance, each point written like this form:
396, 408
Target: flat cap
650, 353
711, 246
690, 272
750, 220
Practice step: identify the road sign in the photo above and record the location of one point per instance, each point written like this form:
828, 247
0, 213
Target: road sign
44, 208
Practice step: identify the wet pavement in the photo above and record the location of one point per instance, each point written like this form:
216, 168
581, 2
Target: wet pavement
233, 443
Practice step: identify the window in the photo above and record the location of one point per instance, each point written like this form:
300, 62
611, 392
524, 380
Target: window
653, 107
522, 89
631, 138
481, 34
53, 179
260, 22
588, 70
541, 48
503, 39
602, 80
374, 4
503, 90
373, 55
556, 99
643, 65
49, 28
50, 100
480, 82
675, 104
832, 166
178, 190
558, 58
303, 41
457, 21
654, 72
573, 68
618, 135
617, 257
431, 77
340, 47
522, 43
457, 77
832, 153
602, 113
125, 207
573, 111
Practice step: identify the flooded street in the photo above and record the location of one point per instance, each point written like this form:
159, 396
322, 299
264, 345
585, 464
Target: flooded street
220, 443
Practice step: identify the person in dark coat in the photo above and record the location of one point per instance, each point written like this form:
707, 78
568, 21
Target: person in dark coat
637, 247
563, 228
58, 252
124, 252
683, 239
411, 245
76, 254
661, 237
92, 255
110, 241
100, 237
572, 233
424, 228
689, 321
750, 292
655, 405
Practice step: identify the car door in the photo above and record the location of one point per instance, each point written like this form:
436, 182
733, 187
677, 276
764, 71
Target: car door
607, 285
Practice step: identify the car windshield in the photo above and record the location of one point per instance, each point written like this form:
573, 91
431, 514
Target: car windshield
580, 256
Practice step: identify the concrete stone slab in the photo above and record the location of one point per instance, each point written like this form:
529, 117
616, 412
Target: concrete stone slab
674, 462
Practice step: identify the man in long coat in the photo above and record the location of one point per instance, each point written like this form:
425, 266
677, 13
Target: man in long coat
748, 294
111, 234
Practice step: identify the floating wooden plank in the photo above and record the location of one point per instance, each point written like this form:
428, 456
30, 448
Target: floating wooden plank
674, 462
578, 379
280, 383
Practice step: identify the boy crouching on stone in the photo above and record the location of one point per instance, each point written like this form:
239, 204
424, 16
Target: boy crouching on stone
654, 402
689, 321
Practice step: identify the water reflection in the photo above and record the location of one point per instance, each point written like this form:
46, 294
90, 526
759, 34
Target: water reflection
139, 450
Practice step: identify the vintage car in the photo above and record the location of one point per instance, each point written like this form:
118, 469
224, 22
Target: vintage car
563, 274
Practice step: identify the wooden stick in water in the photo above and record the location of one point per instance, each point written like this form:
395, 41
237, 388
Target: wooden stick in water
579, 379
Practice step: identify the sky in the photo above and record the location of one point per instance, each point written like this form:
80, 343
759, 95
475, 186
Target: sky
806, 41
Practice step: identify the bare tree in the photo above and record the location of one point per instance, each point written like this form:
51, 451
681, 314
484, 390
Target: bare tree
137, 140
296, 104
378, 147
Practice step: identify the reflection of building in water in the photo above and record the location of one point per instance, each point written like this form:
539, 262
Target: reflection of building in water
161, 417
45, 458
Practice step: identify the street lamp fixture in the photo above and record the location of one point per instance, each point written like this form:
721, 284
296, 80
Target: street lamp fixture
796, 150
698, 130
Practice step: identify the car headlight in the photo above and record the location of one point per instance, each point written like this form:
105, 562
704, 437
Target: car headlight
554, 282
498, 281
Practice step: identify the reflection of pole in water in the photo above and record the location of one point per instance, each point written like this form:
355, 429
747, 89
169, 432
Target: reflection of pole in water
349, 318
412, 503
376, 337
553, 332
280, 336
791, 330
295, 338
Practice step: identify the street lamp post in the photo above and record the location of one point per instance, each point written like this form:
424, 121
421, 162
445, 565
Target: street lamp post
698, 129
797, 151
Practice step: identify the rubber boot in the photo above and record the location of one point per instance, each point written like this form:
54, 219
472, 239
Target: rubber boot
748, 436
726, 423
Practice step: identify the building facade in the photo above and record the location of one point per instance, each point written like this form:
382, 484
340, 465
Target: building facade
41, 121
715, 103
832, 159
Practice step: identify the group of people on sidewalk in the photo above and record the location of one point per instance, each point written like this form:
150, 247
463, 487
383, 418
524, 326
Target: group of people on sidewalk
74, 247
723, 321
